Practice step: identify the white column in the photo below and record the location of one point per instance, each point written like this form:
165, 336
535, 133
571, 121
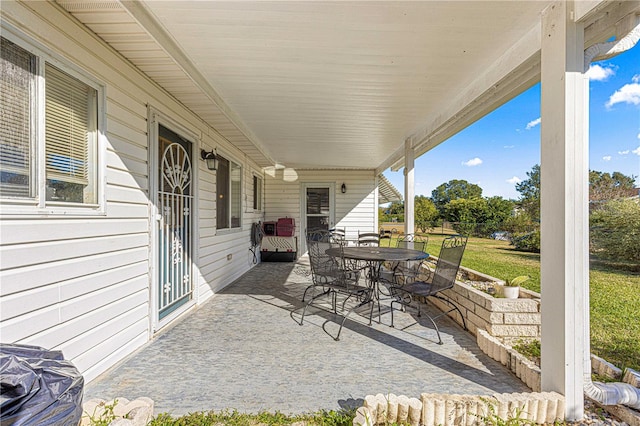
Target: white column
409, 188
564, 171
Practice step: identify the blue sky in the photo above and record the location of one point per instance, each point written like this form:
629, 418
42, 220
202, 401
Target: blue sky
497, 151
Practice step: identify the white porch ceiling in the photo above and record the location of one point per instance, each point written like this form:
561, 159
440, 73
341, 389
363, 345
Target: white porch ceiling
328, 84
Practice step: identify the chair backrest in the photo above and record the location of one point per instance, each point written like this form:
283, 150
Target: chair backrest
412, 241
448, 263
338, 234
324, 268
319, 235
368, 239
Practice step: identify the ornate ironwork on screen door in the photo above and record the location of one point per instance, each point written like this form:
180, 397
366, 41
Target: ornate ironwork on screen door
175, 201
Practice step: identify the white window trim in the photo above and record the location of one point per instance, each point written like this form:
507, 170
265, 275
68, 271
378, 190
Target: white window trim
38, 205
261, 206
230, 230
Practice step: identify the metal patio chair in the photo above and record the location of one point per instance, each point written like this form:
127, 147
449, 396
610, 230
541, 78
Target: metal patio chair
410, 241
368, 239
391, 269
424, 283
332, 275
338, 234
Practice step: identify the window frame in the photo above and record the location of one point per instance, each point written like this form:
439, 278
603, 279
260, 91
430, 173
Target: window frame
258, 184
36, 203
230, 228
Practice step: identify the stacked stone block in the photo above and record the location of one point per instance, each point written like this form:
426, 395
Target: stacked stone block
138, 412
452, 409
522, 367
501, 317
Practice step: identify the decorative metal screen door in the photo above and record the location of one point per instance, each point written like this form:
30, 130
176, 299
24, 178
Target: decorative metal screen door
175, 201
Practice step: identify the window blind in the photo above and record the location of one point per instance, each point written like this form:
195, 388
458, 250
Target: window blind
17, 81
70, 126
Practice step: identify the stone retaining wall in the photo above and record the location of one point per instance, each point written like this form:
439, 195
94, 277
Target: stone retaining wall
499, 316
447, 410
519, 365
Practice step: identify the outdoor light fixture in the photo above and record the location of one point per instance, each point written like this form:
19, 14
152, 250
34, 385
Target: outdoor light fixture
210, 158
343, 188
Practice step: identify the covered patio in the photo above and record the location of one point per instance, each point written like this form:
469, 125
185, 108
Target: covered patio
294, 97
245, 350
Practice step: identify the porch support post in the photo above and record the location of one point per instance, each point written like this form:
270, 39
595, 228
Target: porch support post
409, 188
564, 171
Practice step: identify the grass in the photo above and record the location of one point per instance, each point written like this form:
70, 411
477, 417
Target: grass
614, 294
234, 418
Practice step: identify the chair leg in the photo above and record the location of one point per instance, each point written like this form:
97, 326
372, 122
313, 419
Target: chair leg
435, 326
304, 310
344, 318
392, 302
454, 308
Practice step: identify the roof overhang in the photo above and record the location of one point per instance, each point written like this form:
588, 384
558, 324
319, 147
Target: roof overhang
387, 193
337, 84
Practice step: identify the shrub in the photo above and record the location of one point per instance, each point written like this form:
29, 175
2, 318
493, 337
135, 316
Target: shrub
615, 231
519, 223
528, 241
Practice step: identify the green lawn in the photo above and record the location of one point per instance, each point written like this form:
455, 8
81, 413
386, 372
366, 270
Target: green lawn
615, 295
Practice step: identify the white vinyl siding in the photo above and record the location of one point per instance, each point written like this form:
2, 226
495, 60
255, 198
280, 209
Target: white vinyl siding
80, 283
355, 210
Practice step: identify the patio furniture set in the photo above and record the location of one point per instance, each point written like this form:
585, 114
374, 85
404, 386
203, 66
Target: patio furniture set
367, 273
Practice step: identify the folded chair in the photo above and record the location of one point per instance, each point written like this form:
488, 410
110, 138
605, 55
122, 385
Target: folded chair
334, 278
424, 283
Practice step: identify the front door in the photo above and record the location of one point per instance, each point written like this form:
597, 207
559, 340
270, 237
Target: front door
318, 207
174, 230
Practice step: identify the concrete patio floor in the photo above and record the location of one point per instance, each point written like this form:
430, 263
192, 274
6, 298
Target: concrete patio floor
245, 350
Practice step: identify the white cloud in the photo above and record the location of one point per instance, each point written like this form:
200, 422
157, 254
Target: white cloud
625, 152
638, 135
599, 73
514, 180
636, 78
628, 94
607, 158
473, 162
513, 146
533, 123
636, 151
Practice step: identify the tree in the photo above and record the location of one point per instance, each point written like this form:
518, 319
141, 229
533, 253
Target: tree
453, 190
498, 211
604, 187
393, 213
615, 230
529, 190
426, 214
465, 213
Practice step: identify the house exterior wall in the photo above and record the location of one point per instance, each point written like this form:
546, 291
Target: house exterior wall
81, 283
355, 210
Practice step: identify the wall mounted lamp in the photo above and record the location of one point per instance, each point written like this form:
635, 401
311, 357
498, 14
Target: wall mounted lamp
210, 158
343, 188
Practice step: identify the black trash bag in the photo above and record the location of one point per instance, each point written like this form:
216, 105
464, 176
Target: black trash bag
38, 387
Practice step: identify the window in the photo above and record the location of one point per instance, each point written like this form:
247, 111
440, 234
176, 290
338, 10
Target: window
229, 193
257, 192
64, 173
